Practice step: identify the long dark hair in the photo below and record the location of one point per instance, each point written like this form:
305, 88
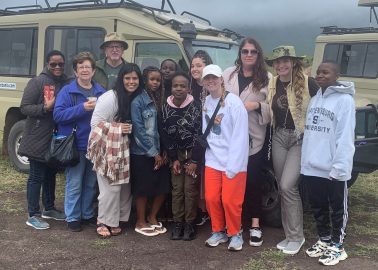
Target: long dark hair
123, 99
259, 72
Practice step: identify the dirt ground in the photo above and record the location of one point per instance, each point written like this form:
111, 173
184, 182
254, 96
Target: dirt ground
57, 248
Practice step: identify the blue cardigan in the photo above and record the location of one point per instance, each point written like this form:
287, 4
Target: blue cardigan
67, 115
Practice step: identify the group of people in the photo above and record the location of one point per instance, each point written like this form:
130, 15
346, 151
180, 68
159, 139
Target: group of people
202, 137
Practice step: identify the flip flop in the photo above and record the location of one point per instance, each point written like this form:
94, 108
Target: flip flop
159, 225
147, 231
103, 231
115, 231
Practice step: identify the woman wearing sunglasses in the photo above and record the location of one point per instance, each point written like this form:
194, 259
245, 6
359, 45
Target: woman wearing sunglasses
37, 104
249, 80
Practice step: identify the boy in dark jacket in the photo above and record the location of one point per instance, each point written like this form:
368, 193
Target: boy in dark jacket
37, 104
181, 124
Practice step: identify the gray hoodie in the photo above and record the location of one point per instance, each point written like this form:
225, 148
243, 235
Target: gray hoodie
328, 143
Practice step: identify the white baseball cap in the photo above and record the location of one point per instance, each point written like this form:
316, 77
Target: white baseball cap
212, 70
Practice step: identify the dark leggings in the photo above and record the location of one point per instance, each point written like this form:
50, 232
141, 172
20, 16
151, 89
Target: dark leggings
253, 191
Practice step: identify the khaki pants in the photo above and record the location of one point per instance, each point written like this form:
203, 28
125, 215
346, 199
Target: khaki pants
286, 154
114, 202
185, 193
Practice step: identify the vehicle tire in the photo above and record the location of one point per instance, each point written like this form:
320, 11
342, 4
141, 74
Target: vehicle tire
20, 163
271, 202
352, 179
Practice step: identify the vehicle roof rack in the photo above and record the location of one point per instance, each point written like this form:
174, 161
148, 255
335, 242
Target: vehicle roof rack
156, 13
334, 30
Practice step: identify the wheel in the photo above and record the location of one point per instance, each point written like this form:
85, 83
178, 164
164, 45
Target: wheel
21, 163
352, 179
271, 203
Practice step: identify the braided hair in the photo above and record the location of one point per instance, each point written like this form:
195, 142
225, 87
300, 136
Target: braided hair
158, 95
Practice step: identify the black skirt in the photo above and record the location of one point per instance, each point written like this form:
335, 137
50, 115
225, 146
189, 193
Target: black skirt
146, 182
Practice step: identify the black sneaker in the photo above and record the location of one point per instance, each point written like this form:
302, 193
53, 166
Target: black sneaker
189, 232
91, 222
74, 226
178, 231
255, 237
201, 219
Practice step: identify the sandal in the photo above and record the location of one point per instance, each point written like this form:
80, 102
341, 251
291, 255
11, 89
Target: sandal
115, 231
159, 228
103, 231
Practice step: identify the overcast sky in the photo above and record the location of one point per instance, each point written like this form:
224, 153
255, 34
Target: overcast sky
259, 16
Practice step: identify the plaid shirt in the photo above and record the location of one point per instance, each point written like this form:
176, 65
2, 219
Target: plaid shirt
108, 149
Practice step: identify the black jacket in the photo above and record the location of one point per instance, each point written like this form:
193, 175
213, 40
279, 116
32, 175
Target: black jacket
39, 124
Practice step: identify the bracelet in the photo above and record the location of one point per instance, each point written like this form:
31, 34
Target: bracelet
193, 161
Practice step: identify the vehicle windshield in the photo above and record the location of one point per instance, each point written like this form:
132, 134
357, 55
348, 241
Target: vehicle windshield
222, 54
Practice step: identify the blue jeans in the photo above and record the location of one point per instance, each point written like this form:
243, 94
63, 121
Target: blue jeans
80, 190
40, 175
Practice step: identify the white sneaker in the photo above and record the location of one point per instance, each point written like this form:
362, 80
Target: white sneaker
317, 249
292, 247
281, 245
333, 255
255, 237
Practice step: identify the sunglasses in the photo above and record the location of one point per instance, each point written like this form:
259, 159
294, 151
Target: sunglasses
54, 65
251, 52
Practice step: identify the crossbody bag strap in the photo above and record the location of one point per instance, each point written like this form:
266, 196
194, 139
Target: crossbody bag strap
211, 122
74, 98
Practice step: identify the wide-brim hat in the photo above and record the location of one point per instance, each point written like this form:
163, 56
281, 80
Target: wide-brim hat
114, 37
212, 70
282, 51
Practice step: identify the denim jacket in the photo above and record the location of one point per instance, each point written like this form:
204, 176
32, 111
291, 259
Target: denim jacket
145, 139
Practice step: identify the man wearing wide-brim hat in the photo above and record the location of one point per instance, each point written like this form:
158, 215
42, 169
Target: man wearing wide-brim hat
107, 69
282, 51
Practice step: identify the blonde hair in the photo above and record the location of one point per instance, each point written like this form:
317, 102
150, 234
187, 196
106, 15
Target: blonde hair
205, 93
297, 84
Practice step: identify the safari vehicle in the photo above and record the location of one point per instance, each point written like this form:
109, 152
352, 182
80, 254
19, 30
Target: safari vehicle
153, 34
356, 50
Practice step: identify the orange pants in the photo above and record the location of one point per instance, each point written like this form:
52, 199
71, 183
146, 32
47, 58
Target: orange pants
224, 199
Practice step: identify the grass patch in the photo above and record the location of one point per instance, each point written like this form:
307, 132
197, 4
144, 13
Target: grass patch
11, 206
11, 180
364, 250
102, 243
269, 259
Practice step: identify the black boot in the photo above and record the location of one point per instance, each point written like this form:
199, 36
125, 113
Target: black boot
189, 232
178, 231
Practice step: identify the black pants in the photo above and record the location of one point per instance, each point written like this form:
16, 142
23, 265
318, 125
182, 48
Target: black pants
253, 191
323, 194
40, 175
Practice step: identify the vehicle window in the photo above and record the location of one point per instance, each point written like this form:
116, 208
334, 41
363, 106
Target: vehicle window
366, 124
371, 65
152, 54
356, 60
222, 54
72, 40
18, 51
331, 51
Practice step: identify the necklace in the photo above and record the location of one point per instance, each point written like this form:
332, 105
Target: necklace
287, 98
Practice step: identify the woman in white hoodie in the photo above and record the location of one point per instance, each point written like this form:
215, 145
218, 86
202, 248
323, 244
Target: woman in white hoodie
327, 160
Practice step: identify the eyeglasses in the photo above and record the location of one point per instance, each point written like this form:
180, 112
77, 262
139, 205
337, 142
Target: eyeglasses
251, 52
54, 65
84, 67
115, 47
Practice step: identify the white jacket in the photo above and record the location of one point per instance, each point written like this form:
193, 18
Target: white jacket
328, 143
